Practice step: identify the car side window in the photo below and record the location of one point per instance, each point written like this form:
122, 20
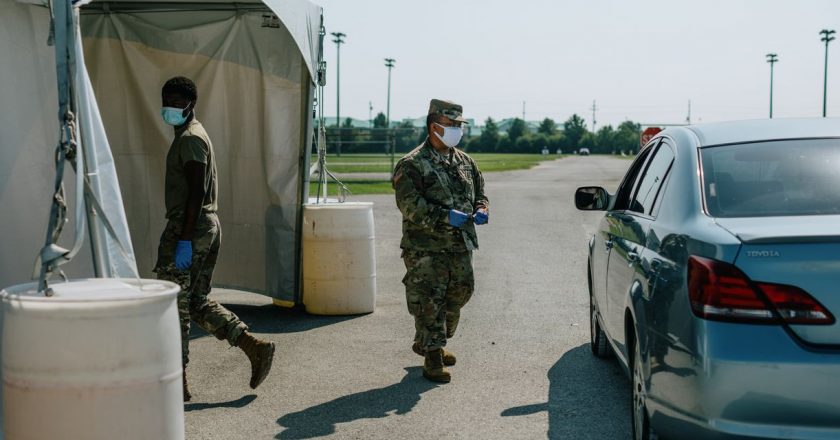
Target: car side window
651, 182
625, 190
657, 203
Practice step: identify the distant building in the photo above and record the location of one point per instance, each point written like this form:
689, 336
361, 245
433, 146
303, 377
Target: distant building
415, 122
505, 124
357, 123
420, 124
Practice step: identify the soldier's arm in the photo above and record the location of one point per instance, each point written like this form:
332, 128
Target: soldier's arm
194, 156
194, 172
481, 200
408, 183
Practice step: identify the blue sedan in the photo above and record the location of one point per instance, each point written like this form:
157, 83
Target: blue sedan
714, 279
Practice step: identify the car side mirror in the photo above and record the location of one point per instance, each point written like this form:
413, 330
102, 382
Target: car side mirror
592, 198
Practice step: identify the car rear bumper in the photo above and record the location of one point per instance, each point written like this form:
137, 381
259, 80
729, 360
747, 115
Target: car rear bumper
673, 424
753, 382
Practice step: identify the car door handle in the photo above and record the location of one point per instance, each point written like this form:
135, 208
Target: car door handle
654, 277
655, 264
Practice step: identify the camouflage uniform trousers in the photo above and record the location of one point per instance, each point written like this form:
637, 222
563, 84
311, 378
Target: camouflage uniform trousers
437, 286
193, 303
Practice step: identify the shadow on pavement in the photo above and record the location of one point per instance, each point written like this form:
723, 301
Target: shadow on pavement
272, 319
269, 318
320, 420
587, 398
238, 403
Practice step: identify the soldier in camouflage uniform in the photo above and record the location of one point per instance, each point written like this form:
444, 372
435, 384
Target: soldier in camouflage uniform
440, 192
190, 242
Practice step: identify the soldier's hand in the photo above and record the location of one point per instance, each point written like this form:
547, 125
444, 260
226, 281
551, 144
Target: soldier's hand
457, 218
183, 254
481, 216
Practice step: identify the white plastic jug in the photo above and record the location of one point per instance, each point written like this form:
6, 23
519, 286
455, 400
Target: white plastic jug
339, 262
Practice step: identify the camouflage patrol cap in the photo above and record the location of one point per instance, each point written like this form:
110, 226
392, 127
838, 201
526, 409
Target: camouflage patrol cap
446, 108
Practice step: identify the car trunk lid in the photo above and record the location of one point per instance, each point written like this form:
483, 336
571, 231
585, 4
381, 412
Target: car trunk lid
798, 251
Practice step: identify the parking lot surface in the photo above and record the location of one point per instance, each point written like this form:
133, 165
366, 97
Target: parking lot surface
524, 367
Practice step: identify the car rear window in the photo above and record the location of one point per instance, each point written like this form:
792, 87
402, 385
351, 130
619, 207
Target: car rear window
780, 178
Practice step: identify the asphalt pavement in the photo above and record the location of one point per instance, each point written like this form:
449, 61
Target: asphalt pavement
524, 367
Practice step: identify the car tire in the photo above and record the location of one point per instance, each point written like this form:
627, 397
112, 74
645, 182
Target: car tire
640, 420
597, 337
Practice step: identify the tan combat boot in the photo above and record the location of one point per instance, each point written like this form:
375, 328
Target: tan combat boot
433, 367
261, 355
448, 356
187, 395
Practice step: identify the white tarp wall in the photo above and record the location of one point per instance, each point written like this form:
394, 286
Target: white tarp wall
253, 73
29, 130
254, 99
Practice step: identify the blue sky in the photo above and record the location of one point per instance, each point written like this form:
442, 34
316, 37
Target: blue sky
641, 60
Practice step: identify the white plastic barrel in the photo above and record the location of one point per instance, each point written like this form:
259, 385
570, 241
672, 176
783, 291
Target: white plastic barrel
100, 359
339, 263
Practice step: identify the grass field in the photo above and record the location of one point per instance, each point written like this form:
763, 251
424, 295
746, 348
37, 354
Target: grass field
356, 187
349, 164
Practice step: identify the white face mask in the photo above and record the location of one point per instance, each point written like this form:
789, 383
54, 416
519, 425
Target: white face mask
451, 135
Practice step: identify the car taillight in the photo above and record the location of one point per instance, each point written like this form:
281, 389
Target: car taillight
720, 291
794, 305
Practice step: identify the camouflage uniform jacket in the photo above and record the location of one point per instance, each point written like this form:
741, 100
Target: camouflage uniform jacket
428, 184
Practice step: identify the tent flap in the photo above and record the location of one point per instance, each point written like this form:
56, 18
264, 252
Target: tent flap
251, 80
109, 229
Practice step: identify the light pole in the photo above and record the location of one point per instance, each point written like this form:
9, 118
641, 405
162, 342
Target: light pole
338, 40
772, 59
389, 63
827, 36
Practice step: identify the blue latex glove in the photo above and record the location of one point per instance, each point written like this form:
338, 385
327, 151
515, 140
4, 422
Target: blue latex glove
457, 218
183, 254
481, 217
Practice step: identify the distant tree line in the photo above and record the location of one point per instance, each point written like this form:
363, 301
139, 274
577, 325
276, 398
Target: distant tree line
573, 136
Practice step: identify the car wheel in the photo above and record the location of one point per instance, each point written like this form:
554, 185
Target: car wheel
640, 420
597, 337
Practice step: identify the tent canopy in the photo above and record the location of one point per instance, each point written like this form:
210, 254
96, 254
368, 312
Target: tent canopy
253, 64
300, 18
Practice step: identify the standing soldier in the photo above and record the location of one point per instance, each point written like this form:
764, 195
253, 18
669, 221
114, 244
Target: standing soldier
190, 242
440, 193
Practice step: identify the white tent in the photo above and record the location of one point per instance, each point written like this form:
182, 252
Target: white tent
254, 64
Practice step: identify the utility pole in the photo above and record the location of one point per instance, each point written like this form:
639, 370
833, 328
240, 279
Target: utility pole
772, 59
523, 110
338, 40
688, 117
594, 109
827, 37
370, 114
389, 63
